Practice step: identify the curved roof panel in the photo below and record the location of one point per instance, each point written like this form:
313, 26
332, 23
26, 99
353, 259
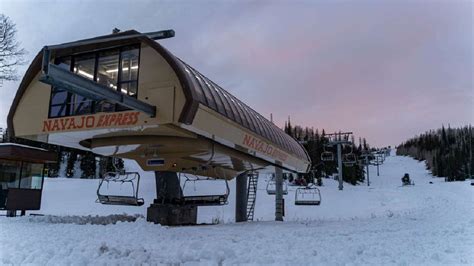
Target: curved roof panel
221, 101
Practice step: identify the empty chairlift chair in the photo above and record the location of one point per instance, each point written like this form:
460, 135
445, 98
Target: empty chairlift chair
309, 195
206, 199
117, 188
327, 156
271, 187
349, 159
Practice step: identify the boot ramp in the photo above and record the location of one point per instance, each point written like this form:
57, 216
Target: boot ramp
125, 95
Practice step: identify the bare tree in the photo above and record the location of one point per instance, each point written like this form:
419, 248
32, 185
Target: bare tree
11, 55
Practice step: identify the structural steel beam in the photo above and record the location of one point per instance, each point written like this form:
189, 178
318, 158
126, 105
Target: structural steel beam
156, 35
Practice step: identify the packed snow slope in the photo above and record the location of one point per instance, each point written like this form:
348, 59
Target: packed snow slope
426, 224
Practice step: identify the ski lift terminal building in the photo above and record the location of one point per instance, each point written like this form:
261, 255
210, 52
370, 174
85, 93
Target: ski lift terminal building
125, 95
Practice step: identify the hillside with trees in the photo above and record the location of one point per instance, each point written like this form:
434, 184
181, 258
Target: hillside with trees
314, 141
447, 151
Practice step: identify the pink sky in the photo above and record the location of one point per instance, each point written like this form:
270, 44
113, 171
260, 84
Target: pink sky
386, 70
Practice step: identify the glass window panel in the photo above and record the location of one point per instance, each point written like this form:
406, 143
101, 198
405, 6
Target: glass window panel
81, 108
31, 176
80, 105
58, 110
78, 99
64, 62
129, 64
58, 97
107, 73
10, 174
104, 106
129, 88
107, 68
84, 65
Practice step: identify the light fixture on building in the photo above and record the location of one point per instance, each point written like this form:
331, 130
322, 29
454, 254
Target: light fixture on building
123, 69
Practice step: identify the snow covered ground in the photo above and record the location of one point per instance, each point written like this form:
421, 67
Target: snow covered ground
425, 224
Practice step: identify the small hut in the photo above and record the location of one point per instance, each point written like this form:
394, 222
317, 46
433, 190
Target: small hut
22, 176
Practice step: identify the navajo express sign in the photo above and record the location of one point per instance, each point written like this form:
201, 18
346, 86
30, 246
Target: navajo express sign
263, 147
90, 121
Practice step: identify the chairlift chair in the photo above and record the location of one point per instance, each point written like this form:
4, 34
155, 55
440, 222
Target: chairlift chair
205, 200
377, 161
309, 195
349, 159
327, 156
271, 187
128, 179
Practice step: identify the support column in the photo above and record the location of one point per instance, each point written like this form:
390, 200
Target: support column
367, 164
279, 194
339, 165
168, 188
241, 198
167, 208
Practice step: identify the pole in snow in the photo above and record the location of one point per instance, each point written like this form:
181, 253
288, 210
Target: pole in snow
367, 163
279, 194
339, 165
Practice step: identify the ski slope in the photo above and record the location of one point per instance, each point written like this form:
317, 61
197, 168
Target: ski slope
427, 224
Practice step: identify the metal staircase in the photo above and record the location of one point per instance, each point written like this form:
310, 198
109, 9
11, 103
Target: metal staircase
251, 194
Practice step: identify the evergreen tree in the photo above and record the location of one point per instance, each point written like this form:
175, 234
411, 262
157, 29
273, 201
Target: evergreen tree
71, 161
447, 152
88, 166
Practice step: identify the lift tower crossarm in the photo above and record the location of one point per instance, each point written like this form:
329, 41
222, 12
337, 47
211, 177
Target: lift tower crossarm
65, 79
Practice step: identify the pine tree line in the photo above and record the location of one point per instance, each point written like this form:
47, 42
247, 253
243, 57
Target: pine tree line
314, 142
447, 152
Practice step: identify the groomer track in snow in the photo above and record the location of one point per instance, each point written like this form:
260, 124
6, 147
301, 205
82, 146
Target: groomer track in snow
425, 224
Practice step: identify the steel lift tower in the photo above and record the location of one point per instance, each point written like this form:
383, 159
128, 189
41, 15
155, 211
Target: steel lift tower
339, 140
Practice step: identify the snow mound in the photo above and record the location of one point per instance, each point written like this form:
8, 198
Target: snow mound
89, 219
